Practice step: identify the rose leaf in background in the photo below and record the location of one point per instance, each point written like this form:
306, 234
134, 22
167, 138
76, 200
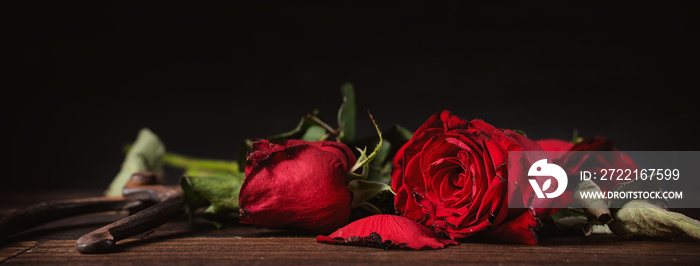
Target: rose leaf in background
299, 131
346, 114
315, 133
146, 154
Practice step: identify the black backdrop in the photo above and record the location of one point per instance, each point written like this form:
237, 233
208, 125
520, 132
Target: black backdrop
84, 77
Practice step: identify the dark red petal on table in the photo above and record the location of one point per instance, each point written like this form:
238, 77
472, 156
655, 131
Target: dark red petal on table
386, 231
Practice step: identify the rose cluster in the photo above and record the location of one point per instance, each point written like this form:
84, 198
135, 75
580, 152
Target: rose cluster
451, 181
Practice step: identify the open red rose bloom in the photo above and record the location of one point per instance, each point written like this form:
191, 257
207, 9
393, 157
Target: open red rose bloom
452, 177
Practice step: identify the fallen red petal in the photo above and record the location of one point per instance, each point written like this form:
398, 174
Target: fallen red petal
388, 232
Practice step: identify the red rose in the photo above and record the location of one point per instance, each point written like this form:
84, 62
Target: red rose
573, 163
452, 176
297, 184
555, 148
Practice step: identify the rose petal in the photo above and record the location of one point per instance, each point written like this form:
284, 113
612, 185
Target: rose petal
386, 231
519, 230
555, 148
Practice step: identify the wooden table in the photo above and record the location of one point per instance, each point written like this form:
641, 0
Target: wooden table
180, 242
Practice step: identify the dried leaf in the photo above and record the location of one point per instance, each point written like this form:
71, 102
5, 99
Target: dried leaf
146, 154
595, 208
642, 219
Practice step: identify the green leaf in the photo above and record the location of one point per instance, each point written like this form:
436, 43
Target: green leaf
642, 219
364, 190
404, 133
379, 169
297, 132
146, 154
315, 133
192, 199
370, 157
221, 190
346, 114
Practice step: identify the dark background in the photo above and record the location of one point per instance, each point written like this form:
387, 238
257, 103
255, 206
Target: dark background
84, 76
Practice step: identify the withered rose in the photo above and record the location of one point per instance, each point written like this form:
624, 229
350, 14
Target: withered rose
452, 177
297, 184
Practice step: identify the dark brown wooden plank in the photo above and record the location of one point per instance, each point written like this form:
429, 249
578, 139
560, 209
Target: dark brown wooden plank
180, 242
292, 250
11, 250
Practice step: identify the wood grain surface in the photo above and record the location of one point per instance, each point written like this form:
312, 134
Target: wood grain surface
180, 242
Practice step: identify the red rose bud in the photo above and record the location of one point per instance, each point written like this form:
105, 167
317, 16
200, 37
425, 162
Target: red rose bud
452, 176
297, 184
386, 231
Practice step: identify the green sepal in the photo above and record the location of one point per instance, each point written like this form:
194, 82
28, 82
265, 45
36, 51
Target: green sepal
364, 190
379, 169
368, 158
575, 139
519, 132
